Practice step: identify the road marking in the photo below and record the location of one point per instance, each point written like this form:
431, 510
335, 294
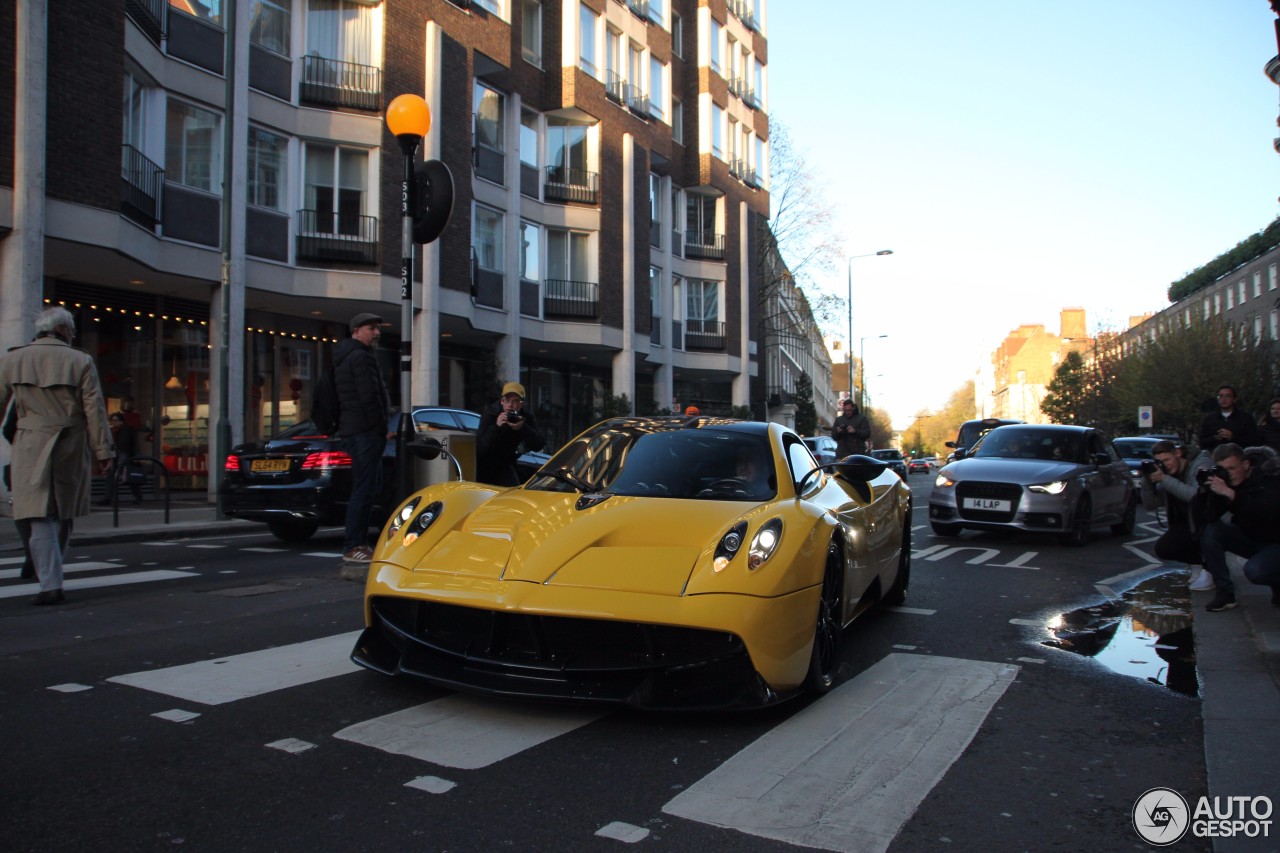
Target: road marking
1032, 623
291, 745
102, 580
256, 550
849, 770
624, 832
165, 542
208, 547
70, 687
431, 784
982, 556
334, 554
918, 611
214, 682
177, 715
67, 568
920, 553
466, 732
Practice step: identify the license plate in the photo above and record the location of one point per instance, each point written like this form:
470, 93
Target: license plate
269, 466
989, 504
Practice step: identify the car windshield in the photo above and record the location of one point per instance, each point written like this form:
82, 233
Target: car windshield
634, 460
1020, 443
1133, 449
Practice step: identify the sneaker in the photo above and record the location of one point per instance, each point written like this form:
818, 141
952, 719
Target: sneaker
358, 554
1221, 601
1202, 582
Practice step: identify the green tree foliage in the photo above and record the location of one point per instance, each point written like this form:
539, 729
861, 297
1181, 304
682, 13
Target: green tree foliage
1068, 392
1254, 246
742, 413
936, 429
806, 412
881, 428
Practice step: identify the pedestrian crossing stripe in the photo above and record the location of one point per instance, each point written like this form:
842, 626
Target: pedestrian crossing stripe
72, 584
67, 568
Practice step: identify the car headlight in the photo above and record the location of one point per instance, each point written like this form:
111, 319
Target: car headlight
401, 518
729, 545
943, 482
1057, 487
765, 543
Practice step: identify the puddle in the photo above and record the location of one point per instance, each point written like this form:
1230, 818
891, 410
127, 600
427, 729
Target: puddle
1145, 634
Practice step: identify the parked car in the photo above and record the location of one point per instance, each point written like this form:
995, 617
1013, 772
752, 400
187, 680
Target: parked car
971, 431
622, 573
1040, 478
1135, 450
918, 466
894, 458
823, 448
301, 479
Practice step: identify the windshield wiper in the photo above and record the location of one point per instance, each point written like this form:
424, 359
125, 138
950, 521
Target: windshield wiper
563, 475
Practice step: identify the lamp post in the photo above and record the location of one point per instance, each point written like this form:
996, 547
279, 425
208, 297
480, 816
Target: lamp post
408, 119
849, 354
862, 371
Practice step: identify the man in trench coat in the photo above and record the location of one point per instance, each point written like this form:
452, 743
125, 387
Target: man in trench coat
62, 428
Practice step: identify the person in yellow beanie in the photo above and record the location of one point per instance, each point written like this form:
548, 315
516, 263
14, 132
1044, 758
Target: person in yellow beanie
506, 431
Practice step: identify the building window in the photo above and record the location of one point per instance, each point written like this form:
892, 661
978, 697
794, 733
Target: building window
269, 27
335, 187
135, 112
1275, 324
205, 10
655, 11
490, 107
588, 46
1242, 291
487, 238
716, 38
568, 258
702, 306
657, 88
677, 35
1257, 285
341, 30
1271, 277
530, 251
192, 150
268, 160
1231, 299
567, 150
1257, 330
492, 6
717, 131
1217, 303
531, 32
677, 121
758, 84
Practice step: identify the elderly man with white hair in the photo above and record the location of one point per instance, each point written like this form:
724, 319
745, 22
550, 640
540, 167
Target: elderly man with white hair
62, 428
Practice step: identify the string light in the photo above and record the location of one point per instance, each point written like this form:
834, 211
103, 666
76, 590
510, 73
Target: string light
300, 336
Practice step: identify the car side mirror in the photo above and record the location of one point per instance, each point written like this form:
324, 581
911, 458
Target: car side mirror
951, 444
960, 453
859, 469
426, 448
1101, 459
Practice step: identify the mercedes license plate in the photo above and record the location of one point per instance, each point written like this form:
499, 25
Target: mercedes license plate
269, 466
988, 504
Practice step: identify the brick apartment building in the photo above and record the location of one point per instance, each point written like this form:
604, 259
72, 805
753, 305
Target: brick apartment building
607, 158
1023, 366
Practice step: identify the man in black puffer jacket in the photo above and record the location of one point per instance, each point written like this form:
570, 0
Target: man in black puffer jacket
364, 408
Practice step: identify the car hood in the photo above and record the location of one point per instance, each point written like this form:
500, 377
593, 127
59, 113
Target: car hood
1022, 471
643, 545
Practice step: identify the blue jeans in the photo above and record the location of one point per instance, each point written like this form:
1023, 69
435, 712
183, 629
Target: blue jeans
1221, 538
365, 450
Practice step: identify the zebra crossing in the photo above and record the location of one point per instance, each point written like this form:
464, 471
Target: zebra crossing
845, 773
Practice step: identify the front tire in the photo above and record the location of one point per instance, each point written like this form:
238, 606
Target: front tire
292, 530
897, 593
942, 529
1081, 524
825, 656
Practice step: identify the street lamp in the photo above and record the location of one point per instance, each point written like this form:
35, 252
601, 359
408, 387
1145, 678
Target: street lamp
408, 119
862, 371
849, 355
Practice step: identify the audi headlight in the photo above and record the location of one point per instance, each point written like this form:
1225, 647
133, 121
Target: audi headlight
765, 543
730, 544
943, 482
1057, 487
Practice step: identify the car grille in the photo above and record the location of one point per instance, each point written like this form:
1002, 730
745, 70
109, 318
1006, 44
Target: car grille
994, 491
559, 657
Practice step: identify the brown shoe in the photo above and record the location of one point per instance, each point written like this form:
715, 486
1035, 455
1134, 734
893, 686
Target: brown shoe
50, 596
359, 554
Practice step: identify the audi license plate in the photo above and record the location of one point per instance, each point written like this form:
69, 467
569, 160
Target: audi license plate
269, 466
988, 504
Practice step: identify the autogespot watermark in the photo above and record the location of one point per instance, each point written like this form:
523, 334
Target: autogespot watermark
1162, 817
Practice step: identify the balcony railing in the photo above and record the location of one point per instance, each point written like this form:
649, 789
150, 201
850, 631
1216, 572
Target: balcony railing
704, 245
615, 87
576, 299
334, 83
704, 335
743, 172
148, 15
331, 237
741, 86
571, 185
142, 187
742, 10
638, 102
639, 8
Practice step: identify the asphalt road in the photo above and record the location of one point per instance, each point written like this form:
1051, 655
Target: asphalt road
207, 704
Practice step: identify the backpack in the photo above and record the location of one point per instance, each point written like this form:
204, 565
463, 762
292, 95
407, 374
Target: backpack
325, 406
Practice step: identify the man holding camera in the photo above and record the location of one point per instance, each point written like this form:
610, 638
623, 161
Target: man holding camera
1170, 479
504, 427
1250, 491
850, 430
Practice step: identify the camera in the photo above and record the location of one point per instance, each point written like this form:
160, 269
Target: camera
1147, 467
515, 417
1202, 477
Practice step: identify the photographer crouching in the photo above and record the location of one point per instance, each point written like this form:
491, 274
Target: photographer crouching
1247, 485
1169, 480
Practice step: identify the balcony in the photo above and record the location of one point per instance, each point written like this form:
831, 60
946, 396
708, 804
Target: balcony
326, 237
576, 300
142, 184
148, 15
615, 87
571, 185
638, 102
740, 170
639, 8
704, 335
741, 87
333, 83
742, 10
704, 245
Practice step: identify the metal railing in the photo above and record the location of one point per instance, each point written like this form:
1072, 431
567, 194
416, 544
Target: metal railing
615, 87
337, 237
161, 479
566, 184
639, 8
742, 10
704, 245
332, 82
743, 172
563, 298
142, 185
148, 15
704, 335
741, 86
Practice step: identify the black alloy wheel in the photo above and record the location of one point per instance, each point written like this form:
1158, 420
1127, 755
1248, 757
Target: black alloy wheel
827, 629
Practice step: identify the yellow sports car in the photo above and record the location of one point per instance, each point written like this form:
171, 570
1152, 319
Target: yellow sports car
660, 562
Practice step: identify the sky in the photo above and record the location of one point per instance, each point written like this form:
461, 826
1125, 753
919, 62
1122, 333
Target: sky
1020, 157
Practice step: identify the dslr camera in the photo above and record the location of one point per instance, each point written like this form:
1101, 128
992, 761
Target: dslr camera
515, 416
1147, 467
1202, 477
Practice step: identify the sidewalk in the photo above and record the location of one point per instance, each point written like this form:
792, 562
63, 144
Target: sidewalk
187, 517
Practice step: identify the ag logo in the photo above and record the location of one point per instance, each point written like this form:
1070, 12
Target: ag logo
1161, 816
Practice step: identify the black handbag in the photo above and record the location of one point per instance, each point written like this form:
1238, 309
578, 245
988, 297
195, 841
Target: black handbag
132, 474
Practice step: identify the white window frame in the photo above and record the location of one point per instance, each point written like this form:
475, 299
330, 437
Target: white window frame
677, 120
1257, 284
267, 13
479, 212
530, 253
255, 161
589, 40
717, 130
367, 200
677, 34
177, 172
658, 88
715, 54
532, 53
579, 268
